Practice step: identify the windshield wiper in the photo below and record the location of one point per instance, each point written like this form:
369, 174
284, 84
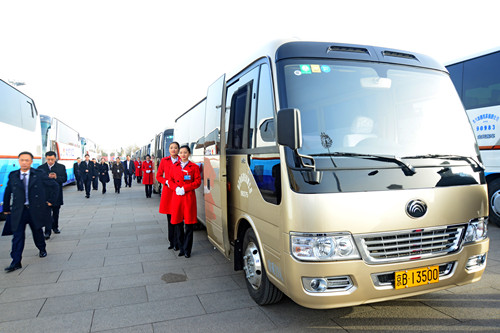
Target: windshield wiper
408, 169
475, 165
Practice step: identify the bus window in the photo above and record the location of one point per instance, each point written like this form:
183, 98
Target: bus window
265, 110
481, 82
9, 106
29, 116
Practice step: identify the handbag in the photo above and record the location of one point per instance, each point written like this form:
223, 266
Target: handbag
7, 228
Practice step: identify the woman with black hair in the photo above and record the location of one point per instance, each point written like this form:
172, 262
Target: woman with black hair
184, 179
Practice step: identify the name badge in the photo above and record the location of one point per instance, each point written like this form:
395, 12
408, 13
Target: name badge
187, 177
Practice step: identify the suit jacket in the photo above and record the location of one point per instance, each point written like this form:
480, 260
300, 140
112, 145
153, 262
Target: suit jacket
117, 170
130, 170
62, 177
87, 171
41, 189
103, 172
76, 170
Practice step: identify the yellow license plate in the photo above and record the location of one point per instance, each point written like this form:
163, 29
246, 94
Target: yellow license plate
416, 277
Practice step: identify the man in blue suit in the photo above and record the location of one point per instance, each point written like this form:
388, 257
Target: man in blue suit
87, 172
129, 167
33, 193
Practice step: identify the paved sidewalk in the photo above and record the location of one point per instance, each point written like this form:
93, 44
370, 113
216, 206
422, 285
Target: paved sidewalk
110, 271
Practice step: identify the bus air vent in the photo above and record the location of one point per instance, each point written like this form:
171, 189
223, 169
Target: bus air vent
348, 49
399, 55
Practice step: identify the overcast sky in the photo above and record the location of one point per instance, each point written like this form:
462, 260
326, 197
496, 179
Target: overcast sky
121, 71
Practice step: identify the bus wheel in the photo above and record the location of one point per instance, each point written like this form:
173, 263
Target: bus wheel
259, 287
494, 195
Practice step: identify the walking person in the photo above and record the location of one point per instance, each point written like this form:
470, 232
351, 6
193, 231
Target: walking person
138, 170
78, 176
57, 172
95, 180
87, 172
129, 171
167, 194
32, 192
117, 170
184, 179
103, 174
147, 180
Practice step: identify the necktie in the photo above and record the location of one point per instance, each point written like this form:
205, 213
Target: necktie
25, 183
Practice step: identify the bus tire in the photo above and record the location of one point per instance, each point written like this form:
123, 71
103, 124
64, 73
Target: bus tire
494, 196
259, 287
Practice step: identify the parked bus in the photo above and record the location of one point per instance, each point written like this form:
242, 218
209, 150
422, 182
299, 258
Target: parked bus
161, 143
65, 141
477, 80
339, 175
19, 131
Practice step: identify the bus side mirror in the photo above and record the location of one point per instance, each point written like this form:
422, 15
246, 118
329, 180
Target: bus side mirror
289, 129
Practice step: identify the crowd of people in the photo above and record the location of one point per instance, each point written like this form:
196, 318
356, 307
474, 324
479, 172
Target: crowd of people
34, 196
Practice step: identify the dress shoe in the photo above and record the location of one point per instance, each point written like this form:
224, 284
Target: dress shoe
42, 254
176, 248
170, 247
13, 267
180, 254
56, 231
47, 236
187, 255
87, 196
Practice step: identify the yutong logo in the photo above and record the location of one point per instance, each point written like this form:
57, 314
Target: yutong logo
416, 208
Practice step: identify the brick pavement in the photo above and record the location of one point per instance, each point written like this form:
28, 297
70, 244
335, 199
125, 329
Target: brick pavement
110, 271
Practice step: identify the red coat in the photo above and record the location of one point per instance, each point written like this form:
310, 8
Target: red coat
138, 170
166, 193
147, 178
184, 206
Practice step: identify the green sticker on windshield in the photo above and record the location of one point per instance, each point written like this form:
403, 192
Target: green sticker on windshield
305, 69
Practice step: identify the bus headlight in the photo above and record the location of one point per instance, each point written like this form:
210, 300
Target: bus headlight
476, 230
323, 247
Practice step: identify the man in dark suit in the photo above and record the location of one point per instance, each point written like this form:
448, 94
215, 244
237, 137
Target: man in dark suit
87, 172
33, 192
57, 172
129, 167
95, 180
78, 177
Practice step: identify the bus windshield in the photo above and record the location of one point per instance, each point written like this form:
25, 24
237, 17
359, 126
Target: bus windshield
374, 108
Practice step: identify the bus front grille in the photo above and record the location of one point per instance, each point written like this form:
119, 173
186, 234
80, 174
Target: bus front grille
410, 244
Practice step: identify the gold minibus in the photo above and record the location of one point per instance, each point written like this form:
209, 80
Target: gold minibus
339, 175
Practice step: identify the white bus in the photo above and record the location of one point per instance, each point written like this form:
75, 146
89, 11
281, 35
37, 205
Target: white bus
19, 131
339, 175
62, 139
477, 80
161, 143
89, 147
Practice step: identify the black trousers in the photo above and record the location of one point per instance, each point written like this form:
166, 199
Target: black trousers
184, 237
171, 232
103, 184
19, 237
95, 183
128, 180
118, 184
149, 190
139, 179
54, 221
88, 185
79, 183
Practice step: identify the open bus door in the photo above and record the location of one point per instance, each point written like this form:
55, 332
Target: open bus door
214, 173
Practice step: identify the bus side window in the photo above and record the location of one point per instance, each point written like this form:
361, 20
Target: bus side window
240, 104
266, 135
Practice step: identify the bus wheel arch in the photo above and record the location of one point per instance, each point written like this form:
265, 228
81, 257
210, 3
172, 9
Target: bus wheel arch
494, 199
258, 284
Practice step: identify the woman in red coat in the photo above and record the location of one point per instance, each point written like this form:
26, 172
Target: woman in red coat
184, 179
162, 175
147, 178
138, 170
